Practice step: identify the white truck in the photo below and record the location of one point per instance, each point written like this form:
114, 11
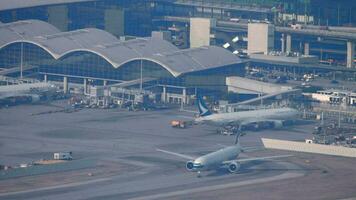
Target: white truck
63, 156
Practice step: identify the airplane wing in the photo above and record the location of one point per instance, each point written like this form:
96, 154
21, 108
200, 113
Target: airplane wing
257, 158
176, 154
252, 149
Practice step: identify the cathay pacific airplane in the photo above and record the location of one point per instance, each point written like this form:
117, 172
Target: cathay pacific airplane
276, 116
224, 158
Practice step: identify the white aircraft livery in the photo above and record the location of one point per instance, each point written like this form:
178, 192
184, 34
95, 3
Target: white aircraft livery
31, 90
275, 116
225, 157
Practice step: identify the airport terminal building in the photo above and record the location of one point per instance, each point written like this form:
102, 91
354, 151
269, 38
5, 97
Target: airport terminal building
96, 55
106, 42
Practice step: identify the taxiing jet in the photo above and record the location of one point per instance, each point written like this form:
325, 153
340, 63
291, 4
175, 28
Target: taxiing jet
223, 158
276, 116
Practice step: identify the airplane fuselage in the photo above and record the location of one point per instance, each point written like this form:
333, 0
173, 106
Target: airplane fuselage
30, 89
217, 158
249, 116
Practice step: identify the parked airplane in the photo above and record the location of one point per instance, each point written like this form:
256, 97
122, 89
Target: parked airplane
223, 158
276, 116
30, 92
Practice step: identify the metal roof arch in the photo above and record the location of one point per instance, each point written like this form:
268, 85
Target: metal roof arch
111, 62
55, 56
172, 72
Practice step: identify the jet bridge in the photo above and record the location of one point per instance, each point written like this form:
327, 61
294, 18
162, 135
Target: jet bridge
131, 83
15, 70
243, 104
249, 86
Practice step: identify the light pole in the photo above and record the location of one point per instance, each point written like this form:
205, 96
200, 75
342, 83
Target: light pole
141, 82
21, 61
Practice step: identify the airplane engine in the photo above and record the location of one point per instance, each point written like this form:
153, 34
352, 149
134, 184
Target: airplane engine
189, 165
234, 167
277, 124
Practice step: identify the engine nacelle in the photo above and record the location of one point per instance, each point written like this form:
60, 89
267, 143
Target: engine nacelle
234, 167
277, 124
190, 165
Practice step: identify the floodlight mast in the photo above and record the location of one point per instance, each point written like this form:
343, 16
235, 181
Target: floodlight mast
141, 81
21, 61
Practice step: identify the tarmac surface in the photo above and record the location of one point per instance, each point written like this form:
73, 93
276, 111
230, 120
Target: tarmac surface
127, 166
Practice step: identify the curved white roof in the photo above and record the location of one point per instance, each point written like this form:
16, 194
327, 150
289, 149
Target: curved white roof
197, 59
27, 29
118, 53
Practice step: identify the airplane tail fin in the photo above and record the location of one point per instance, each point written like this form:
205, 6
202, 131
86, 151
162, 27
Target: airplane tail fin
203, 109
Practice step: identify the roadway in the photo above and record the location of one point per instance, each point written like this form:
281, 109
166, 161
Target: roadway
128, 167
228, 26
223, 5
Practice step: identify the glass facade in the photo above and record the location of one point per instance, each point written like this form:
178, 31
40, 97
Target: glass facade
10, 56
134, 16
79, 63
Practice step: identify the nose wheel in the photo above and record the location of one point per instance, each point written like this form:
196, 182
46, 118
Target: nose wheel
198, 174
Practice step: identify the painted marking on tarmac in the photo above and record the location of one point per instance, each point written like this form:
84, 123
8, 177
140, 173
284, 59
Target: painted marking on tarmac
56, 187
221, 186
186, 117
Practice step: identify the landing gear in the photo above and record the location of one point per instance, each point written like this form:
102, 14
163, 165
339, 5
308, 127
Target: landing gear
198, 174
228, 130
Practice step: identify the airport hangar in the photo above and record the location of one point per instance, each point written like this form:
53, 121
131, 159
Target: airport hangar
95, 56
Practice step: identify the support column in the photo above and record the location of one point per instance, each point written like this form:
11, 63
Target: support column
289, 43
350, 54
65, 85
200, 31
283, 43
85, 86
45, 78
114, 21
105, 83
164, 94
184, 93
306, 48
